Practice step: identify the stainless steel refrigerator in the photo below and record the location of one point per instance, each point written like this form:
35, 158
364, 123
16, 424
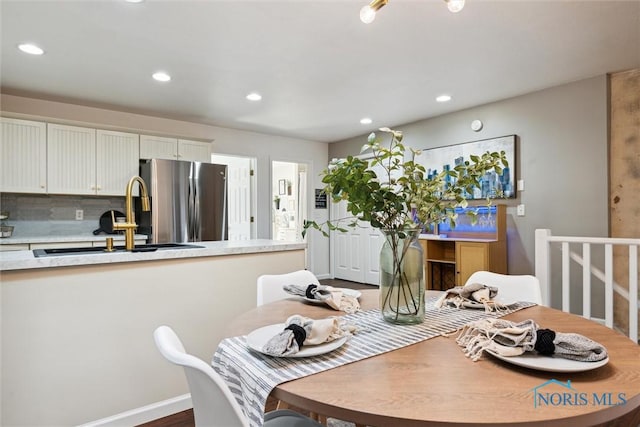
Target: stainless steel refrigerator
188, 201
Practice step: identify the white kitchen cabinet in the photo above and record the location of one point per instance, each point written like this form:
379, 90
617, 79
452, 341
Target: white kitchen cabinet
196, 151
89, 161
159, 147
117, 160
23, 156
71, 159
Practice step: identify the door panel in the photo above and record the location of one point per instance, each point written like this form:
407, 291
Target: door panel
23, 156
209, 217
117, 155
348, 265
357, 252
158, 147
71, 160
239, 195
375, 239
194, 151
470, 257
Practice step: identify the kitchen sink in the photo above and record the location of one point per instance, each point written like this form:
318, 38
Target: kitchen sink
149, 247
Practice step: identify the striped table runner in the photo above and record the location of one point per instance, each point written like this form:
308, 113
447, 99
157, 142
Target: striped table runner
251, 376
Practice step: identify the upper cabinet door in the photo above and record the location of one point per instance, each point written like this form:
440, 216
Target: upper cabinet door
23, 156
195, 151
71, 159
117, 161
158, 147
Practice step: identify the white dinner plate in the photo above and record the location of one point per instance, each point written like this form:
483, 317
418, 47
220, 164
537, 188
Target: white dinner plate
550, 364
257, 339
350, 292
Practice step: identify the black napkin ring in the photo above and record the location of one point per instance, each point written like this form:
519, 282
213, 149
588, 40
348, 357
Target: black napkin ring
309, 292
544, 342
299, 334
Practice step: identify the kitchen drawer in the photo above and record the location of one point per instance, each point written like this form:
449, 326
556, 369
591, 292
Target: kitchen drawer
14, 247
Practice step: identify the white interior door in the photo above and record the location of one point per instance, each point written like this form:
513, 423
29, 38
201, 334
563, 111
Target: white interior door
356, 251
239, 194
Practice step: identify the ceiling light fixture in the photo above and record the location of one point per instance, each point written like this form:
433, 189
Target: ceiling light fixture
455, 6
30, 48
161, 76
368, 12
443, 98
366, 121
253, 96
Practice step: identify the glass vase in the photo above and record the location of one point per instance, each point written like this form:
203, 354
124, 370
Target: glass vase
402, 277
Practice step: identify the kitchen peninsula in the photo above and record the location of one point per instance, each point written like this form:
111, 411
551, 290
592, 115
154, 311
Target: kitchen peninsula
77, 329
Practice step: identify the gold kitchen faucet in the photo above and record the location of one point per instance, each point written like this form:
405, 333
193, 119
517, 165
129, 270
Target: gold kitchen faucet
129, 226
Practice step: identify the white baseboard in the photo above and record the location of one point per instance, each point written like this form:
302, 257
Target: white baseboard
146, 413
324, 276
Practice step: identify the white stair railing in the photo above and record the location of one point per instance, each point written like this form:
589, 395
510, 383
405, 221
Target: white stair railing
543, 255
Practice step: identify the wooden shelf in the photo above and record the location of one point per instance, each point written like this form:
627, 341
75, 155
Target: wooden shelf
450, 261
441, 261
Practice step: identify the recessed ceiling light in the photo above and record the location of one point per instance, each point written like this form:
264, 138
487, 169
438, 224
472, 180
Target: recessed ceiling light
134, 1
366, 121
253, 96
455, 5
443, 98
161, 76
30, 48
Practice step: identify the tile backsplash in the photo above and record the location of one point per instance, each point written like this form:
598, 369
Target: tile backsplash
36, 214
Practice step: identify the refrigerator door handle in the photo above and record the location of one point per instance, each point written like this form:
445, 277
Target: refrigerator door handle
195, 231
190, 210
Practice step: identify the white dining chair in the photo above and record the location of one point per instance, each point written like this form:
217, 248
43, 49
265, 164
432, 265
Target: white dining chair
269, 286
213, 403
510, 287
269, 289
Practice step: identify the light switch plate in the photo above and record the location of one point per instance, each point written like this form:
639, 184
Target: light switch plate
521, 185
520, 210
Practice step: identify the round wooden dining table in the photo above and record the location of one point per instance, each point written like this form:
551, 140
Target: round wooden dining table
432, 383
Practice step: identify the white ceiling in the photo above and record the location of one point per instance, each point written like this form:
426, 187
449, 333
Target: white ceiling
318, 68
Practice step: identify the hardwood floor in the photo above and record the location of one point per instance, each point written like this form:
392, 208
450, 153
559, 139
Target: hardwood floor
185, 418
181, 419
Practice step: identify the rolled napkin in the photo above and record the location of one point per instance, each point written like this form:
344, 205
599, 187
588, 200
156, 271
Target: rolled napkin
471, 295
300, 331
331, 296
508, 338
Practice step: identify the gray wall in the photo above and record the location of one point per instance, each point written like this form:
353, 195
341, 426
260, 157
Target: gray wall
561, 156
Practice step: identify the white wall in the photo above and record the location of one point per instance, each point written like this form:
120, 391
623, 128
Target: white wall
225, 141
77, 342
561, 152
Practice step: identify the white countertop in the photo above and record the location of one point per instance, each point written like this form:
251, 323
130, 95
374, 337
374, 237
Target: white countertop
24, 260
